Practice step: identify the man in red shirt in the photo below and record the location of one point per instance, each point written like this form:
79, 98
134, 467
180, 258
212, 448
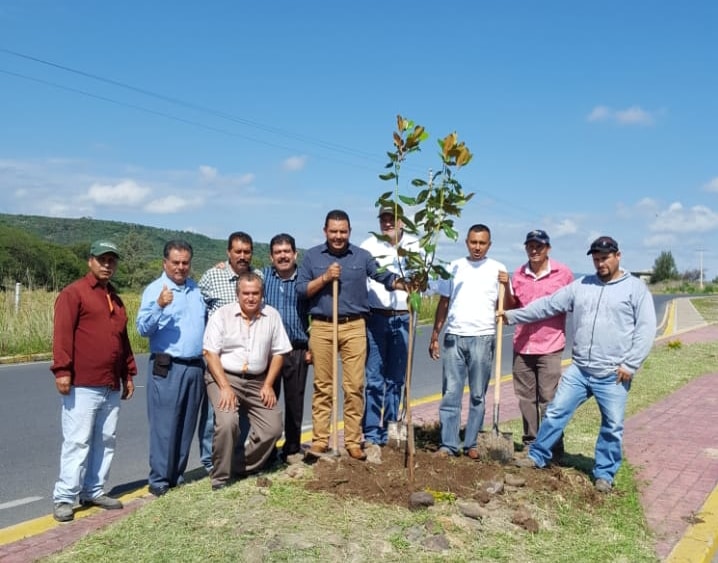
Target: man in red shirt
538, 346
93, 366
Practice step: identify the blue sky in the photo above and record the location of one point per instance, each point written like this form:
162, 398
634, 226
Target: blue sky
584, 118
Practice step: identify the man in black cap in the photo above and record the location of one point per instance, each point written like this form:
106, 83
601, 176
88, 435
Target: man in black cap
614, 325
93, 366
538, 346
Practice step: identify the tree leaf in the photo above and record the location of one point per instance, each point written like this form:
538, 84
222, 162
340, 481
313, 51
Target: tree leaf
389, 176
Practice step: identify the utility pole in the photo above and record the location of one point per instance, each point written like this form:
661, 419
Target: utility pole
700, 279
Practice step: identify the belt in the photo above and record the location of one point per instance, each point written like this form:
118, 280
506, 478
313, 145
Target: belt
389, 312
244, 375
300, 344
340, 320
195, 362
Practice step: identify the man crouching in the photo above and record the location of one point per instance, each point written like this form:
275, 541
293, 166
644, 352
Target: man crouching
244, 343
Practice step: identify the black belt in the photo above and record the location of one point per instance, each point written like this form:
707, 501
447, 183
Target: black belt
300, 344
389, 312
244, 375
342, 319
194, 362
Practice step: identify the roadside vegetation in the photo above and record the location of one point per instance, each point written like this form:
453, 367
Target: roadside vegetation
279, 520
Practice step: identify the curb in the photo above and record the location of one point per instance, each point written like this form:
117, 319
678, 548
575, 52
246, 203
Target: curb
700, 541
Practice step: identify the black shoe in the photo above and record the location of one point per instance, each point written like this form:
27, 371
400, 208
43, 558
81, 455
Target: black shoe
158, 491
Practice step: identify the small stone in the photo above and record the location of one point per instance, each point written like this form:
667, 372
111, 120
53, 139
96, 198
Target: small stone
494, 487
514, 480
436, 543
471, 509
420, 499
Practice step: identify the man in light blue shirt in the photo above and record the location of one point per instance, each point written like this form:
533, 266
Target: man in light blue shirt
172, 316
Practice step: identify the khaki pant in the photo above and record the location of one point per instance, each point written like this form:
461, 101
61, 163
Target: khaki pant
265, 430
352, 350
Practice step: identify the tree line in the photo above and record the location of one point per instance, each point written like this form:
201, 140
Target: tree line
49, 253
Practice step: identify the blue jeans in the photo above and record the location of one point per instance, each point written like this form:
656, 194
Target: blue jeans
387, 343
89, 429
574, 389
464, 357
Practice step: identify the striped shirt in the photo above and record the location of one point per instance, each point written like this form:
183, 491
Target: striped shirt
246, 345
219, 287
282, 295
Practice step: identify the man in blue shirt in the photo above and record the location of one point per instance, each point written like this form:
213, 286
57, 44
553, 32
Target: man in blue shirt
172, 316
280, 292
338, 259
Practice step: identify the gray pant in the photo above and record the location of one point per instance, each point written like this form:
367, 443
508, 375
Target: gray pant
266, 428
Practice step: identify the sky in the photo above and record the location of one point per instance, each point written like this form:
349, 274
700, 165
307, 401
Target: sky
584, 118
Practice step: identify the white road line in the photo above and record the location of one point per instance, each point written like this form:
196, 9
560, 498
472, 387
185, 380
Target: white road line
19, 502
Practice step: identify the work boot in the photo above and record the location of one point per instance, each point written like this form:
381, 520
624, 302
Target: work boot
103, 501
63, 512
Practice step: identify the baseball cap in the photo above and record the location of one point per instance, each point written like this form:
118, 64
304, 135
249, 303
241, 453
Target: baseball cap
390, 209
100, 247
603, 244
537, 236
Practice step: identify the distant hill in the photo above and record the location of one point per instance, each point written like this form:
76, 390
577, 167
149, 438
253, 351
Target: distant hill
146, 242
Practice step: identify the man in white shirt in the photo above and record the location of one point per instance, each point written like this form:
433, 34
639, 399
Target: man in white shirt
387, 331
467, 312
244, 343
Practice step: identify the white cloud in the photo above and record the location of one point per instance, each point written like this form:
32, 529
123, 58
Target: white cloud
125, 193
634, 115
563, 228
712, 185
294, 163
678, 219
171, 204
207, 173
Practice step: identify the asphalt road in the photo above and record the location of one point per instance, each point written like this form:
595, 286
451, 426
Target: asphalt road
30, 434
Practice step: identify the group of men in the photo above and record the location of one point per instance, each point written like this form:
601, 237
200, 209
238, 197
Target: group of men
220, 349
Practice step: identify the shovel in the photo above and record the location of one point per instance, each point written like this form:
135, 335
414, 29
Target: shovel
495, 445
335, 367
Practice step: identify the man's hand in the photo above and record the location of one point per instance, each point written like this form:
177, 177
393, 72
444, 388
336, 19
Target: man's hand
63, 384
308, 357
434, 350
128, 389
266, 393
622, 375
227, 400
165, 297
333, 272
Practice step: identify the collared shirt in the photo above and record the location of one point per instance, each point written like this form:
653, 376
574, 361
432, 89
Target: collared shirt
547, 336
246, 345
176, 329
219, 287
89, 338
473, 290
387, 257
356, 263
282, 295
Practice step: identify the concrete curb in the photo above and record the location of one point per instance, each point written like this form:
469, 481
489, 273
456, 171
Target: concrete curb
700, 541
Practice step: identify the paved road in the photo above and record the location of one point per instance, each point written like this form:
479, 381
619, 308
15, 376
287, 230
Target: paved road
30, 435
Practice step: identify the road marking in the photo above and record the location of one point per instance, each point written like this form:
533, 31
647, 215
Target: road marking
19, 502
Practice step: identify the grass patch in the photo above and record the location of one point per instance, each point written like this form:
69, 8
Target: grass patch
287, 523
707, 307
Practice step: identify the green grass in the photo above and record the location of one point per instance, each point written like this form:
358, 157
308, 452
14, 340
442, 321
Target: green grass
287, 523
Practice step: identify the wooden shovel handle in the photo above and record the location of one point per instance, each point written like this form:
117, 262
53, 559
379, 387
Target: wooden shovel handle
335, 365
499, 344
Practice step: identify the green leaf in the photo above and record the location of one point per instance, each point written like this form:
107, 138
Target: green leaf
415, 301
389, 176
407, 199
417, 182
451, 233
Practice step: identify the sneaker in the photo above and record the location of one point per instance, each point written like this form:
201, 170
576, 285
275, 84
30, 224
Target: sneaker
103, 501
158, 491
603, 486
526, 462
63, 512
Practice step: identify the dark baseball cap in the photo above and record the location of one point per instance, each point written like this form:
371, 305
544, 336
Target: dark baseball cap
537, 236
603, 244
390, 209
100, 247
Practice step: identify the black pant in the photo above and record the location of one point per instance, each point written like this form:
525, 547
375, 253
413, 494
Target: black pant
294, 380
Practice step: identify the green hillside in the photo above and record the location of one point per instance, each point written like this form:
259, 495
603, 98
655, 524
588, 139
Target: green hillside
52, 238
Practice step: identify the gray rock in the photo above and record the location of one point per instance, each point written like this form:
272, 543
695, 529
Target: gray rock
471, 509
420, 499
514, 480
436, 543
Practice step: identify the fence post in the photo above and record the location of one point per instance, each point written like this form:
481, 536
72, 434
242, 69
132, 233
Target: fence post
17, 297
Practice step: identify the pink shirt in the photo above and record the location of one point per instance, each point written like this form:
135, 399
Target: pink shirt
547, 336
